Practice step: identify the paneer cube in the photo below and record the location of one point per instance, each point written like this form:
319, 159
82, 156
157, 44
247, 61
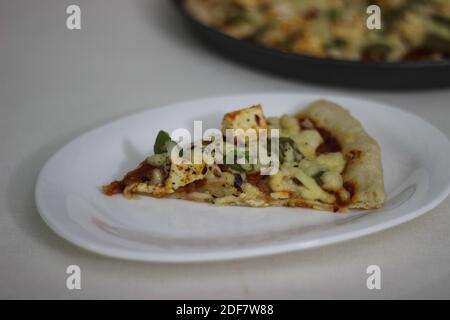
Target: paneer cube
184, 173
249, 118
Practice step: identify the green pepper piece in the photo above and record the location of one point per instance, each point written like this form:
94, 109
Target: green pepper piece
333, 15
317, 176
247, 167
285, 144
160, 145
236, 167
337, 43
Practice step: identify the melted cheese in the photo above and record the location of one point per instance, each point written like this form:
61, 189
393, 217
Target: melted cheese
332, 180
311, 190
308, 141
333, 161
289, 125
252, 196
311, 167
304, 175
296, 181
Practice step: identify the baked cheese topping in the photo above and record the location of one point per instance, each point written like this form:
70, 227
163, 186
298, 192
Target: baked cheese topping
311, 168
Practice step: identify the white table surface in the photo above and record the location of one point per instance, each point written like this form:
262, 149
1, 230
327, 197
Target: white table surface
133, 55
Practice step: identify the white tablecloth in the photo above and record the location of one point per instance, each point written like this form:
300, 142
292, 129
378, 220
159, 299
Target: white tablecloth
133, 55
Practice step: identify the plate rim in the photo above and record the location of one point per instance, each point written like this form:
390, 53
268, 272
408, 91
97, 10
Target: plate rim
239, 253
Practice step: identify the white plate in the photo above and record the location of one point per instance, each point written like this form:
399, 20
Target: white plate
415, 160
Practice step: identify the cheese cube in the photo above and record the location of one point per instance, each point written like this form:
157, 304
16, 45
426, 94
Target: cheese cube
250, 118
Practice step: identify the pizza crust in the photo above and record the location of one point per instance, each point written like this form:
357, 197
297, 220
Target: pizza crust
363, 172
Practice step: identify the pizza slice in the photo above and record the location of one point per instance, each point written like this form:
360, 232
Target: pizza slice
325, 160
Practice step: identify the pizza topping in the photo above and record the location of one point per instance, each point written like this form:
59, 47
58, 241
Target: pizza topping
343, 198
163, 143
350, 187
307, 141
143, 173
237, 181
113, 188
289, 125
159, 160
280, 195
249, 118
334, 161
289, 152
260, 181
183, 174
311, 159
329, 144
333, 29
331, 181
311, 167
194, 186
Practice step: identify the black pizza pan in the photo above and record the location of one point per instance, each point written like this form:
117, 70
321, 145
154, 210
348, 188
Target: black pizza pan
354, 74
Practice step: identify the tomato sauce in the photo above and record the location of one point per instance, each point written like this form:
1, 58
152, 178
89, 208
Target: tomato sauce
329, 144
260, 181
193, 186
143, 173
